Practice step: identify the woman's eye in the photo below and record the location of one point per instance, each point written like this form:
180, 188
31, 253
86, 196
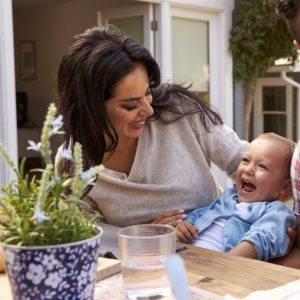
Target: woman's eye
129, 108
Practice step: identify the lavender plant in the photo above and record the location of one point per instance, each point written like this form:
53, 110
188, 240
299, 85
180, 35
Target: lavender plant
39, 211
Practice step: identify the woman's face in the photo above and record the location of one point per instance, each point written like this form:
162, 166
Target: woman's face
130, 104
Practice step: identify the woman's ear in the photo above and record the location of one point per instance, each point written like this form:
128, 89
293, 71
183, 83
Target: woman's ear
285, 192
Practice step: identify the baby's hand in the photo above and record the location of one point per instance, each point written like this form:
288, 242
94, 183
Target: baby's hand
186, 232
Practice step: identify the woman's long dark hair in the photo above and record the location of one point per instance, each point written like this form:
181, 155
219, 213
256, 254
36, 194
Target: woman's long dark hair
88, 73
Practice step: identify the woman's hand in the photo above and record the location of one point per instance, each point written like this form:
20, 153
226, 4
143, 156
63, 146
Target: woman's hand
292, 234
186, 232
171, 217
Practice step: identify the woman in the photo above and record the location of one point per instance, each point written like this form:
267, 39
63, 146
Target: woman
155, 140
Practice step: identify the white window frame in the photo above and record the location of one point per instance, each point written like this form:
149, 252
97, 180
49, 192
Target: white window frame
8, 123
258, 111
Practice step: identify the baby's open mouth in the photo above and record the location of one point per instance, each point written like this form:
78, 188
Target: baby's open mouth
247, 186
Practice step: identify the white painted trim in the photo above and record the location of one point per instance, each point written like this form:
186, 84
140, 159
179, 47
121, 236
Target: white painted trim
209, 5
224, 101
279, 69
8, 123
296, 85
99, 18
164, 42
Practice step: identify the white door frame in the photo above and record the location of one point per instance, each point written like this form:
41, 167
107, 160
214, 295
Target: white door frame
258, 112
8, 122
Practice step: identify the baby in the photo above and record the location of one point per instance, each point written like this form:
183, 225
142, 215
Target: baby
250, 220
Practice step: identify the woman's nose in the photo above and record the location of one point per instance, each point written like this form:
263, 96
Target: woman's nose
146, 108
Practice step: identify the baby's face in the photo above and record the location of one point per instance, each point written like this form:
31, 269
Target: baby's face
262, 171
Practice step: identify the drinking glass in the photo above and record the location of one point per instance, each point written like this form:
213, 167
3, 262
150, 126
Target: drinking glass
143, 249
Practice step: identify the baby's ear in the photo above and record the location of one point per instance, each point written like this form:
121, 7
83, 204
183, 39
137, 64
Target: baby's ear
285, 192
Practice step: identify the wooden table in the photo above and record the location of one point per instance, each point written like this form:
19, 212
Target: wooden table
225, 274
219, 273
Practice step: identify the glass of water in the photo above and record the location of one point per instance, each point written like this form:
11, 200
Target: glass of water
143, 249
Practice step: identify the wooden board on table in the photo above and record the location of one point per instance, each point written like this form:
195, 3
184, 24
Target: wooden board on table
107, 267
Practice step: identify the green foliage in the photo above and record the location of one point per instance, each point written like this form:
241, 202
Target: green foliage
36, 212
258, 38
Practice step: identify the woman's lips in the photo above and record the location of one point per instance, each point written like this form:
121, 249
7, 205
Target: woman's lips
138, 125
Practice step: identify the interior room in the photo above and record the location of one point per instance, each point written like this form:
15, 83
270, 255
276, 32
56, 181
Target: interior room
43, 30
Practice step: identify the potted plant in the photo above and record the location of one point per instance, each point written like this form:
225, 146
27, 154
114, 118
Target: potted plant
50, 245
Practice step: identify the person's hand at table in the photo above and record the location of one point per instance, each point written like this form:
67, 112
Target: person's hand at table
186, 232
172, 217
292, 234
292, 257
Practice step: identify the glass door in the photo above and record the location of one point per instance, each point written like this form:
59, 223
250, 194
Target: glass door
190, 54
190, 44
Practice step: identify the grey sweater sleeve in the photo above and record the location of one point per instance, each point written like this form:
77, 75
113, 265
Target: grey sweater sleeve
221, 145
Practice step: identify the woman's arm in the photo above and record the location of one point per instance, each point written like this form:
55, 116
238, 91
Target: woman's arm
224, 148
291, 260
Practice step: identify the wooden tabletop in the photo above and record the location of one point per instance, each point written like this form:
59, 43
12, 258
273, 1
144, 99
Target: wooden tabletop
219, 273
225, 274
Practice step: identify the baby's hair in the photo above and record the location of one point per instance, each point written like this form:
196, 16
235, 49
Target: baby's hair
276, 137
290, 146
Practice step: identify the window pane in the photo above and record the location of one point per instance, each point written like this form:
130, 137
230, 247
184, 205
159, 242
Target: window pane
276, 124
133, 26
274, 98
190, 53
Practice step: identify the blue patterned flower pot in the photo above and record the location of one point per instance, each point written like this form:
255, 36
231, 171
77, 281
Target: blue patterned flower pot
66, 272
